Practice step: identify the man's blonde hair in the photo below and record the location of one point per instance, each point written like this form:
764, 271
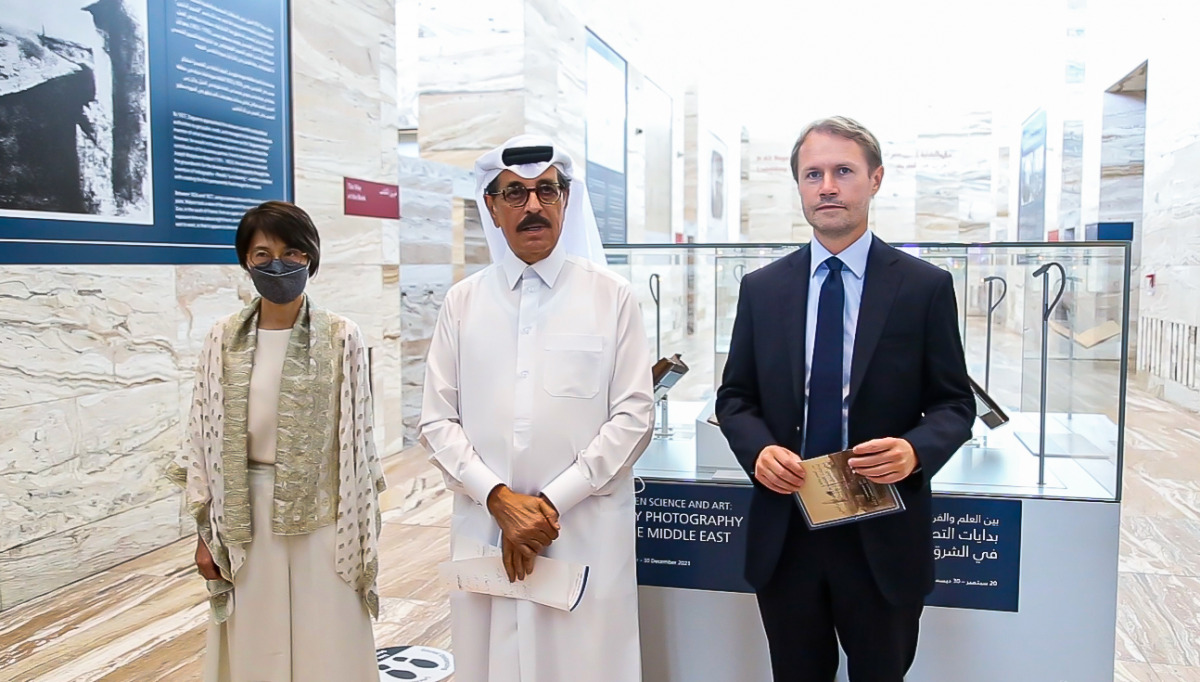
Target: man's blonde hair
842, 127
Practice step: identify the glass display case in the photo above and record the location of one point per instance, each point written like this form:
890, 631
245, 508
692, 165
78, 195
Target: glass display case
1044, 329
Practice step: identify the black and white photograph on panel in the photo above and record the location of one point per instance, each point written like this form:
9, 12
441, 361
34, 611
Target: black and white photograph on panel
75, 111
717, 176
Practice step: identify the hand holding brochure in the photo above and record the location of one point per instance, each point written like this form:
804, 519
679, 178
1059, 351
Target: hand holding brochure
554, 583
833, 494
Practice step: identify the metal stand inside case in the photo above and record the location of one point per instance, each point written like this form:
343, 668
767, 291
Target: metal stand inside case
1071, 307
664, 425
992, 305
1047, 308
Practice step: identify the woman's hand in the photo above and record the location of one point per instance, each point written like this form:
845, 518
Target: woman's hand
204, 561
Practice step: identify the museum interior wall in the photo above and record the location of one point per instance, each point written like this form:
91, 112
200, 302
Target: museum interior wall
97, 361
96, 373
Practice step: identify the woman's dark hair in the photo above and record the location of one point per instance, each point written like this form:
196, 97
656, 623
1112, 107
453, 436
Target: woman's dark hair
284, 221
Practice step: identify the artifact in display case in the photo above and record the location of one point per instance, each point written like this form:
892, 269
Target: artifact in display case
987, 409
667, 372
1043, 432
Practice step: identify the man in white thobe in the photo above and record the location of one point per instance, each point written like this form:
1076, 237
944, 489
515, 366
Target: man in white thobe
538, 400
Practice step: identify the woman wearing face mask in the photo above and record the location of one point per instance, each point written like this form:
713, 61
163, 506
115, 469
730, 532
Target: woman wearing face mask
281, 474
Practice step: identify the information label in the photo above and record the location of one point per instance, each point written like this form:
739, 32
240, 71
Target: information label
371, 199
977, 553
693, 536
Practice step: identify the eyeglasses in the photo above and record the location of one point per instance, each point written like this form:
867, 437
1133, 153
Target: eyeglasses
263, 258
516, 196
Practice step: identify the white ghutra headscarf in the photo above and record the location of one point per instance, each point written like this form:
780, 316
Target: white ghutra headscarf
529, 156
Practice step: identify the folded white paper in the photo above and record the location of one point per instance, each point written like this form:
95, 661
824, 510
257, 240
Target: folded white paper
554, 583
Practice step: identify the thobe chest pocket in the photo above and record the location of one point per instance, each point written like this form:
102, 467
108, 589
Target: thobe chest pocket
574, 365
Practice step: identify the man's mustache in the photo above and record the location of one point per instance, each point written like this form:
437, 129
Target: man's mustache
533, 220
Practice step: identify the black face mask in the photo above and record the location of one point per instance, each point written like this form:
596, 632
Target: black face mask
280, 282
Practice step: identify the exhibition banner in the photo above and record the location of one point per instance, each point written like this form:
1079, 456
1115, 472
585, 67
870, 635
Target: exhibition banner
693, 536
139, 132
605, 138
977, 553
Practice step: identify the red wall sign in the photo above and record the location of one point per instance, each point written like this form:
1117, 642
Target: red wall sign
372, 199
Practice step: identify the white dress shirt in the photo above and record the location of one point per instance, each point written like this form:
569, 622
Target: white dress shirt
854, 259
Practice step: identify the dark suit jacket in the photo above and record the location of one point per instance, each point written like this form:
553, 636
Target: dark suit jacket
908, 379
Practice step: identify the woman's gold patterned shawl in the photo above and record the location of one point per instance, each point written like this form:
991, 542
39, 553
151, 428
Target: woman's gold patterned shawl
326, 468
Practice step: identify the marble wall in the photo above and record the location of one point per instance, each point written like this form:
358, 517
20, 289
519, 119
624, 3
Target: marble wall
1122, 171
441, 242
96, 369
492, 70
936, 187
1001, 182
656, 106
344, 96
894, 210
744, 187
555, 69
1070, 219
650, 170
770, 206
93, 406
1170, 229
660, 185
691, 163
1122, 158
555, 88
712, 158
471, 77
953, 188
1145, 55
638, 118
408, 63
488, 71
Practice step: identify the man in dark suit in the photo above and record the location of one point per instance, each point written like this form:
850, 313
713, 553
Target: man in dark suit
847, 342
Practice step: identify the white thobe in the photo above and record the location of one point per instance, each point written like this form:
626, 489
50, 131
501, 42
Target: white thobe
539, 377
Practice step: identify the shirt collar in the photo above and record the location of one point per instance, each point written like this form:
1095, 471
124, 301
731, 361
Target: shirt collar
548, 268
854, 257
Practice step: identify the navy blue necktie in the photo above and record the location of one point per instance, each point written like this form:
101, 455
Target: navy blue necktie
823, 429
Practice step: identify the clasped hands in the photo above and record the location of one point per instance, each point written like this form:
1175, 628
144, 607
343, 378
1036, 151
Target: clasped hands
528, 525
883, 460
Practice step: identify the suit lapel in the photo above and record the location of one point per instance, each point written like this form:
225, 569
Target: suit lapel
795, 313
880, 283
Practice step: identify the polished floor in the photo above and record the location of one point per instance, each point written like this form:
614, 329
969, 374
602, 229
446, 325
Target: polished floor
145, 620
